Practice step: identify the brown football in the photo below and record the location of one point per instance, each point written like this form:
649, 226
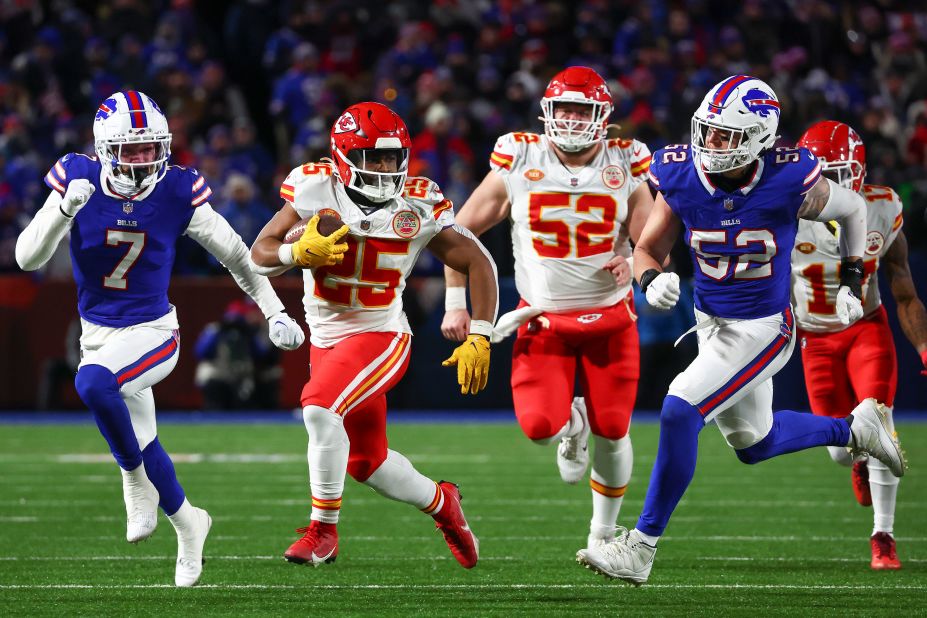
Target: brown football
327, 226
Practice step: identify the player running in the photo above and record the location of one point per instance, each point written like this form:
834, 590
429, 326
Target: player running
739, 201
360, 337
125, 209
848, 364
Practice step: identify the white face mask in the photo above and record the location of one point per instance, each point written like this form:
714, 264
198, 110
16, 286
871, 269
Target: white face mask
367, 177
574, 134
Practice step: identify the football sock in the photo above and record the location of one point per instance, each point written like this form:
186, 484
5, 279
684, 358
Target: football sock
611, 469
796, 431
161, 473
677, 453
328, 461
576, 424
99, 390
397, 479
884, 488
841, 455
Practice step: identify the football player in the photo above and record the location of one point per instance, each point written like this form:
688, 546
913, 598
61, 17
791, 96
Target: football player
847, 364
567, 194
739, 201
360, 337
126, 208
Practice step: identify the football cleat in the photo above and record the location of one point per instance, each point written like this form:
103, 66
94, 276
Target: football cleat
453, 525
884, 556
141, 500
595, 542
872, 433
859, 477
627, 558
573, 452
318, 545
190, 543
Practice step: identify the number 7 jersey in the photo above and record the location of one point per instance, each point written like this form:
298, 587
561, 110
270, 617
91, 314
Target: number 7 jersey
816, 262
564, 224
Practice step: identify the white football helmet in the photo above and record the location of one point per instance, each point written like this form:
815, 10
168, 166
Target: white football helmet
131, 117
748, 109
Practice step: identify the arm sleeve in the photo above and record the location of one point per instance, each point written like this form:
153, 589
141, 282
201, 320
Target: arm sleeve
38, 241
215, 234
848, 208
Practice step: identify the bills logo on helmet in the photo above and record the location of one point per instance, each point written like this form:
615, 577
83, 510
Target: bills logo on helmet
106, 108
874, 242
346, 124
761, 103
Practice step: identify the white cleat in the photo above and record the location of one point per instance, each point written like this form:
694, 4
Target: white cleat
141, 500
190, 543
872, 433
573, 452
627, 558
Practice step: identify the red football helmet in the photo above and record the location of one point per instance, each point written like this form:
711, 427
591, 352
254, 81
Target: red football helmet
576, 85
370, 148
840, 150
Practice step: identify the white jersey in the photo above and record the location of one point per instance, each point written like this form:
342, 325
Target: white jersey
364, 293
816, 261
564, 224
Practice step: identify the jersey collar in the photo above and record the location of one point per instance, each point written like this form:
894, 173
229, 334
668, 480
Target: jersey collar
744, 190
108, 191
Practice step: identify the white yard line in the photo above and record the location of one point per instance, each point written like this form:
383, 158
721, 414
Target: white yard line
354, 587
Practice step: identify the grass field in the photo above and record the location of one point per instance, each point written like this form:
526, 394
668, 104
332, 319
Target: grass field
784, 537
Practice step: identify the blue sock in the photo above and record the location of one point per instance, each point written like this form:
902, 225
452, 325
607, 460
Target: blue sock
98, 388
160, 471
680, 424
795, 431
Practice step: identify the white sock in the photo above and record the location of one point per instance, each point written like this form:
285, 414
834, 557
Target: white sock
649, 539
884, 488
612, 461
397, 479
182, 520
840, 455
328, 461
573, 426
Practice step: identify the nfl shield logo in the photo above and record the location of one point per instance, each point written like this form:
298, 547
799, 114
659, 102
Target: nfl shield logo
365, 225
127, 208
574, 182
728, 204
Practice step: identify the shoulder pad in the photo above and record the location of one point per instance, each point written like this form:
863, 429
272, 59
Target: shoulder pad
70, 167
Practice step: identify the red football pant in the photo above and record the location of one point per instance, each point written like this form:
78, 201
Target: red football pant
352, 379
600, 347
842, 369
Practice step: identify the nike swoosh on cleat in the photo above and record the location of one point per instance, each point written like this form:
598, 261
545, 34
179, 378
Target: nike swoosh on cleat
326, 557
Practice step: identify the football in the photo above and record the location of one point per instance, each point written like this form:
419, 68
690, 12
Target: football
328, 223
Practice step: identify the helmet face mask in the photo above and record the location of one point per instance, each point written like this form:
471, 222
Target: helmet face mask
566, 125
380, 172
840, 150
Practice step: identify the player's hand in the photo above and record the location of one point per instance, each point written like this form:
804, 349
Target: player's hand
663, 291
849, 308
509, 322
313, 250
456, 324
285, 332
620, 267
472, 361
77, 195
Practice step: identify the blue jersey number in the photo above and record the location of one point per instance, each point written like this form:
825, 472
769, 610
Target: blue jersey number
745, 265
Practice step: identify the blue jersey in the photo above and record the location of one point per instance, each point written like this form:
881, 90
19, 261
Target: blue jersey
741, 242
122, 251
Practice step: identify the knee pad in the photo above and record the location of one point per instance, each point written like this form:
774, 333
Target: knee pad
739, 433
537, 427
94, 382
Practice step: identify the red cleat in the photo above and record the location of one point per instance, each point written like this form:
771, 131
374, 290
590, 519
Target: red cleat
884, 557
452, 523
860, 479
319, 545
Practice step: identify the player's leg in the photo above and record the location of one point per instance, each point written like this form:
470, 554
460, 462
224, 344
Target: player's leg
608, 374
543, 377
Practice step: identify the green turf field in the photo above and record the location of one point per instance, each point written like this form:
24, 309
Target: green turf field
784, 537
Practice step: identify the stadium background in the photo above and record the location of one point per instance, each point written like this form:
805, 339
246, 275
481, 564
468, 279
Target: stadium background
252, 87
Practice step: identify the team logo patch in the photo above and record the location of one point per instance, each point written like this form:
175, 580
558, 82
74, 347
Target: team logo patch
588, 318
328, 211
534, 175
106, 108
613, 177
406, 224
346, 124
805, 247
761, 103
874, 242
127, 207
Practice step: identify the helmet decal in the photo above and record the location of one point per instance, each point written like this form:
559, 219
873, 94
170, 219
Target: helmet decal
106, 108
346, 124
760, 103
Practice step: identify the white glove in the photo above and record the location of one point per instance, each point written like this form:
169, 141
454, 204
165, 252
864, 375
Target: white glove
77, 195
849, 308
284, 332
663, 291
509, 322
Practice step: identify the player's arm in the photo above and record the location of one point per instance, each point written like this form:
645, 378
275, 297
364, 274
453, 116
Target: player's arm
640, 203
267, 257
654, 245
38, 241
487, 205
828, 201
459, 249
911, 312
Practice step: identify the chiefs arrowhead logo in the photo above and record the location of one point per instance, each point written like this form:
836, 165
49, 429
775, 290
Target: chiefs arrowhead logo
346, 124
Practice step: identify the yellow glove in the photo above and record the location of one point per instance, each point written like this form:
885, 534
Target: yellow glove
312, 249
472, 361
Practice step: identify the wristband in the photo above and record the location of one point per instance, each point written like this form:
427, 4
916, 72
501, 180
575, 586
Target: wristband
66, 215
481, 327
647, 278
851, 275
285, 254
455, 298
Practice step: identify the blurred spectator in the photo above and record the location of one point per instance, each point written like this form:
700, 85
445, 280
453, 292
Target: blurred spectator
242, 208
436, 150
